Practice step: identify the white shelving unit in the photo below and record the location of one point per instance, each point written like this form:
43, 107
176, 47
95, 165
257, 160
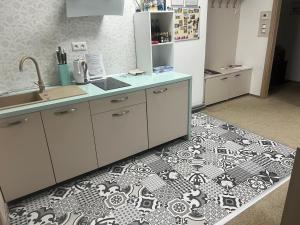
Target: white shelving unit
152, 55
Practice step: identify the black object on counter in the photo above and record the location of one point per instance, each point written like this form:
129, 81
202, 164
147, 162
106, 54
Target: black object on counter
61, 56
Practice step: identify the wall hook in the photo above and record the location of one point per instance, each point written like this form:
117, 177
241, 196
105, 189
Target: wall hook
227, 4
235, 3
220, 3
213, 3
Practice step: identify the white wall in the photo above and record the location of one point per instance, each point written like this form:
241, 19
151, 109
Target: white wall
251, 49
189, 57
37, 27
289, 39
222, 34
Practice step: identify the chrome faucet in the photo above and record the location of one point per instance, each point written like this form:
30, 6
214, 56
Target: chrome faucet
40, 82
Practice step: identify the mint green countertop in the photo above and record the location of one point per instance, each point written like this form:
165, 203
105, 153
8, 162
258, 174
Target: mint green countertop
137, 83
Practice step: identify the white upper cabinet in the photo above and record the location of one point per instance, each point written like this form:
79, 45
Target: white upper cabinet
79, 8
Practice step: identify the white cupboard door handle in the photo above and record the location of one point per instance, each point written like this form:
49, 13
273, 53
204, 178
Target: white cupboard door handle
119, 100
14, 123
160, 91
225, 78
238, 75
121, 113
65, 111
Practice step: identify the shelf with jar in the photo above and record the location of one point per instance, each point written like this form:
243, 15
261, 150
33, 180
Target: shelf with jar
154, 36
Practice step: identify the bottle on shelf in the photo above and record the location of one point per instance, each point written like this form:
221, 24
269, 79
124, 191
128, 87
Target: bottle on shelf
152, 30
157, 30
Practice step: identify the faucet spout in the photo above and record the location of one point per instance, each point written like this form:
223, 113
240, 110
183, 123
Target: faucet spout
40, 82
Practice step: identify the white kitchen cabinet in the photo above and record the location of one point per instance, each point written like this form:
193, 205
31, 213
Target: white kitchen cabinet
216, 90
120, 133
239, 84
167, 110
25, 164
71, 141
224, 87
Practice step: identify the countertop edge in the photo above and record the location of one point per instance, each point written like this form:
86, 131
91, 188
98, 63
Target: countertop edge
18, 111
206, 77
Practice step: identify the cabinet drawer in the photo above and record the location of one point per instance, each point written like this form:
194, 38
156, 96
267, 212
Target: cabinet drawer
120, 133
70, 138
167, 108
25, 165
118, 101
216, 89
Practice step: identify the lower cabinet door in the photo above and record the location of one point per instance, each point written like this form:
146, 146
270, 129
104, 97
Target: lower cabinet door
167, 108
120, 133
70, 138
216, 89
239, 84
25, 165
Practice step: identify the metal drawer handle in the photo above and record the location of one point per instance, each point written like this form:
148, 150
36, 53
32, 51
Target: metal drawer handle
119, 100
121, 113
160, 91
225, 78
65, 111
14, 123
238, 75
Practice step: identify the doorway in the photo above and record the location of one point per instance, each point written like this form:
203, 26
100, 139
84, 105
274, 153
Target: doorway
282, 67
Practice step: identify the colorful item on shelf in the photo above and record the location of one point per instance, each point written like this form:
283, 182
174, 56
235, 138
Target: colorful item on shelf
163, 69
187, 23
154, 5
157, 36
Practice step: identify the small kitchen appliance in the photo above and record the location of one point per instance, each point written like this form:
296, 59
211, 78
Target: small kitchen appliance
80, 73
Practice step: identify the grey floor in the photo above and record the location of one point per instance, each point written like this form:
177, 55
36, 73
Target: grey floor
275, 117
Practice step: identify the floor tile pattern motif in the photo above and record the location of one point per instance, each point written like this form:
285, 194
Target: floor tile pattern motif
200, 181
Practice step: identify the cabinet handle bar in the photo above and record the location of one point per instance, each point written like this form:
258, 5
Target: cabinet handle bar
65, 111
14, 123
160, 91
121, 113
119, 100
225, 78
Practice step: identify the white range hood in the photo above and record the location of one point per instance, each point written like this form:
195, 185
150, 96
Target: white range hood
79, 8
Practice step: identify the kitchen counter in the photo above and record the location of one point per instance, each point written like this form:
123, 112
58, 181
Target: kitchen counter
137, 83
226, 71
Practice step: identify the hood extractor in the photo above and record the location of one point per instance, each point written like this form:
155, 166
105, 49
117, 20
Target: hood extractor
79, 8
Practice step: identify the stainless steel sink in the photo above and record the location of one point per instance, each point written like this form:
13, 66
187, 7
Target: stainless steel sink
20, 99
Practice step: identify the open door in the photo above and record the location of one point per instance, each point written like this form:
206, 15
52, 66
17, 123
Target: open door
291, 210
3, 211
271, 48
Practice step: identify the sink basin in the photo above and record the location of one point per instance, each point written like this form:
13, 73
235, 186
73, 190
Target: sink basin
50, 94
109, 83
20, 99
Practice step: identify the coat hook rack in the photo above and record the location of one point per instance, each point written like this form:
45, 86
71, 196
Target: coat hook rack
235, 3
213, 3
227, 4
220, 3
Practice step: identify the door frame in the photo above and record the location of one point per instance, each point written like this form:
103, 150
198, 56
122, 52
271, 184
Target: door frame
276, 11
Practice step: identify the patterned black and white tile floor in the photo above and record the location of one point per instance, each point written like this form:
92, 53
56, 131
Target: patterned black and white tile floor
203, 181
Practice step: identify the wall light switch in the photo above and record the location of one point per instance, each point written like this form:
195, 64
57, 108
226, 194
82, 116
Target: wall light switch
79, 46
264, 24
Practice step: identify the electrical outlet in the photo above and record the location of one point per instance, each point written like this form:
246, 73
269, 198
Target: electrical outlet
79, 46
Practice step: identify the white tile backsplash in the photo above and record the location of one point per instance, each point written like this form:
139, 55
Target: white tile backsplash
36, 27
